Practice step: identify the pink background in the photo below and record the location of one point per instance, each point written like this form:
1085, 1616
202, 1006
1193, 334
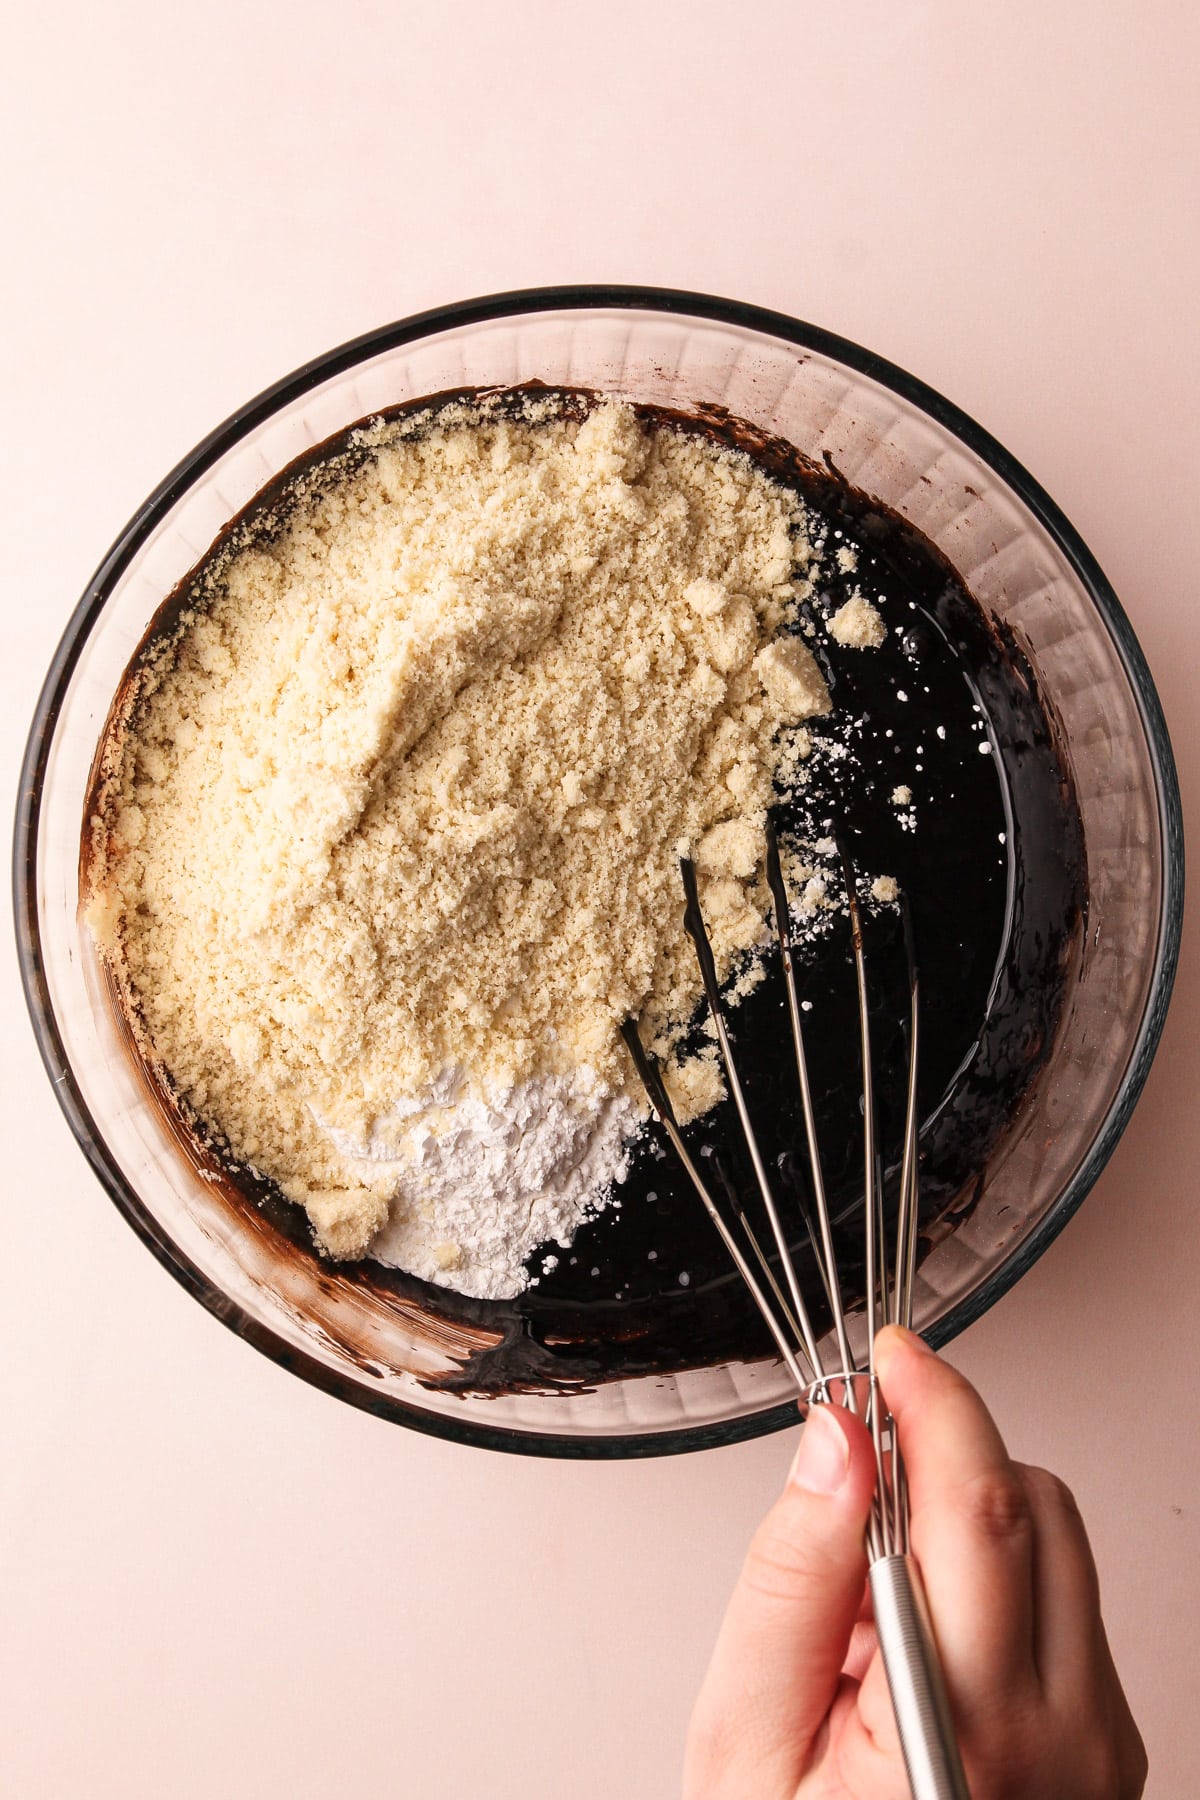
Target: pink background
216, 1579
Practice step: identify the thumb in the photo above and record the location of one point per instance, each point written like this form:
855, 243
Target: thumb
779, 1655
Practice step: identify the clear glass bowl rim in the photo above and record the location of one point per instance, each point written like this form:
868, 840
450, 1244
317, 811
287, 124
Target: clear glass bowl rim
469, 312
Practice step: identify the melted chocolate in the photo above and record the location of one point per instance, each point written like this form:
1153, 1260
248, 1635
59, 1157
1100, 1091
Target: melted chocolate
996, 878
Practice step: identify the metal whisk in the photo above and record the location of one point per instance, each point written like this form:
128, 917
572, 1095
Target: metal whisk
902, 1620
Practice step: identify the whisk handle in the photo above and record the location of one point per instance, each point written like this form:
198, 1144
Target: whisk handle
914, 1674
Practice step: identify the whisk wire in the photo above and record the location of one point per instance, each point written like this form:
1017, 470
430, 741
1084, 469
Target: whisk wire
880, 1532
827, 1261
657, 1093
693, 919
906, 1222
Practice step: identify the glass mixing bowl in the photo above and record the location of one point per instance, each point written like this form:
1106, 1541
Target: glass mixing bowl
889, 435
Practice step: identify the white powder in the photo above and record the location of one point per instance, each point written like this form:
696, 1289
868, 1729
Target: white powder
479, 1185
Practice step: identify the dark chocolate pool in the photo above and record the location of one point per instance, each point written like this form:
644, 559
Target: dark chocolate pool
990, 854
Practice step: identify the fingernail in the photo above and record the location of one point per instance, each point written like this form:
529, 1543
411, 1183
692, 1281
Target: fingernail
824, 1454
893, 1337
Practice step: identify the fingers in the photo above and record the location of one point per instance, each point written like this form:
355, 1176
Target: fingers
972, 1523
1073, 1657
863, 1641
1131, 1760
779, 1655
1071, 1650
1015, 1604
1068, 1635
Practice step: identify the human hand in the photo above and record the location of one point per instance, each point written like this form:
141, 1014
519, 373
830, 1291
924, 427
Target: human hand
795, 1703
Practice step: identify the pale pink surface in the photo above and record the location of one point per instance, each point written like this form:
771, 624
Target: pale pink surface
216, 1579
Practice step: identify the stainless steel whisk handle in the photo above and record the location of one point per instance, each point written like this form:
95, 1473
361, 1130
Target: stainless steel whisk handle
914, 1674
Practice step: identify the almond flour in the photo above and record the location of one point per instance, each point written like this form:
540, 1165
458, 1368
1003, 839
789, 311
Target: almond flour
857, 625
388, 833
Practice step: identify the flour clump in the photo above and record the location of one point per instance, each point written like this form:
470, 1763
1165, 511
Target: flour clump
385, 843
